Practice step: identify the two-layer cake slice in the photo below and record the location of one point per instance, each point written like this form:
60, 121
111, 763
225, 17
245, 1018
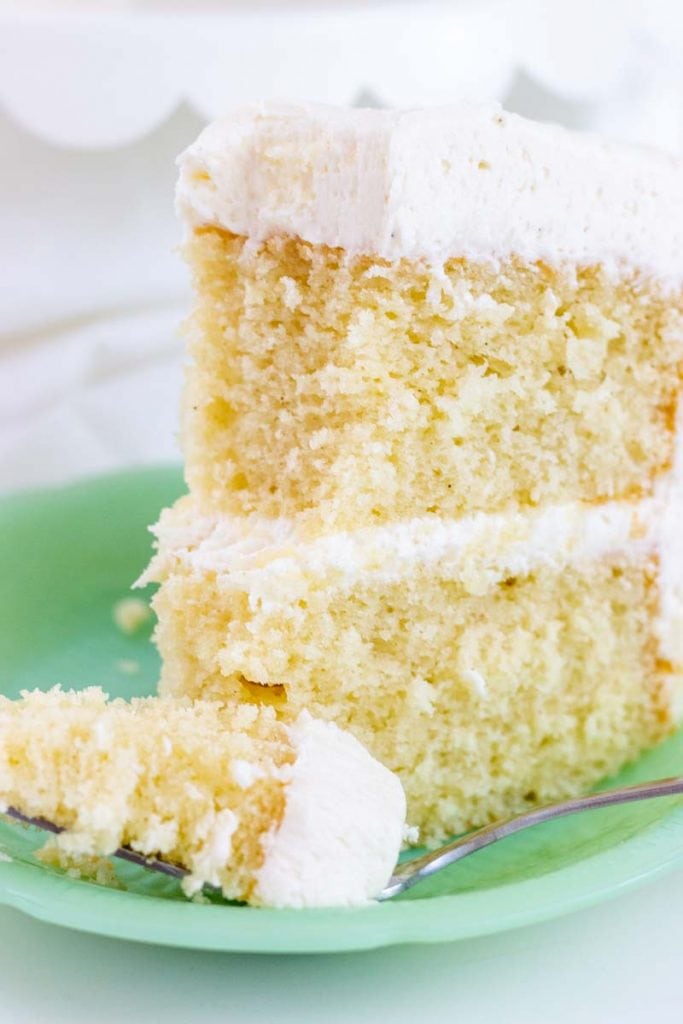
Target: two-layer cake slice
430, 434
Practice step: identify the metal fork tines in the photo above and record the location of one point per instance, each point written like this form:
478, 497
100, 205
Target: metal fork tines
123, 852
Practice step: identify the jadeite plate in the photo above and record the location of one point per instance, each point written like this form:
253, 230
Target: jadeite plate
66, 557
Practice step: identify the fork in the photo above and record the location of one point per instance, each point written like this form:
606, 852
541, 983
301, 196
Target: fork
413, 871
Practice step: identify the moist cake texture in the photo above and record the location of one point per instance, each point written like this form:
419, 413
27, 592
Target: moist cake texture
382, 391
432, 441
513, 664
427, 312
279, 815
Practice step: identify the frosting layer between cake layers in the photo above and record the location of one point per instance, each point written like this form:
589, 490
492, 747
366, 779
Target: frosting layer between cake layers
272, 562
467, 180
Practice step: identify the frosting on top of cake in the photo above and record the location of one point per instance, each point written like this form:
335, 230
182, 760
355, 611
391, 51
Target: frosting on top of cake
469, 180
342, 829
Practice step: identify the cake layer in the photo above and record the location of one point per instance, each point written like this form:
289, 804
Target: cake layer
492, 663
468, 180
283, 815
427, 312
351, 391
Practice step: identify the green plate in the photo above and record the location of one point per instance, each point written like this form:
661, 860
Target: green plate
66, 557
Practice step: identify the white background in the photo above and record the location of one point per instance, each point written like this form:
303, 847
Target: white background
617, 963
90, 359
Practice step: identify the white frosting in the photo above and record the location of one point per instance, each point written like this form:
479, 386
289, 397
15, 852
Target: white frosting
246, 773
243, 550
271, 562
468, 180
218, 829
342, 829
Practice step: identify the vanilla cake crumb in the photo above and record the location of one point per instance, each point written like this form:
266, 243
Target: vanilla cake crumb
89, 867
131, 613
128, 666
411, 835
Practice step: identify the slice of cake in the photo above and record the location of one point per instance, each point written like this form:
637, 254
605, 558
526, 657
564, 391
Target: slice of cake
281, 815
430, 432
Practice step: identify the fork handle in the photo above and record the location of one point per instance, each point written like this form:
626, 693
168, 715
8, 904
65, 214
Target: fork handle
409, 874
123, 852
